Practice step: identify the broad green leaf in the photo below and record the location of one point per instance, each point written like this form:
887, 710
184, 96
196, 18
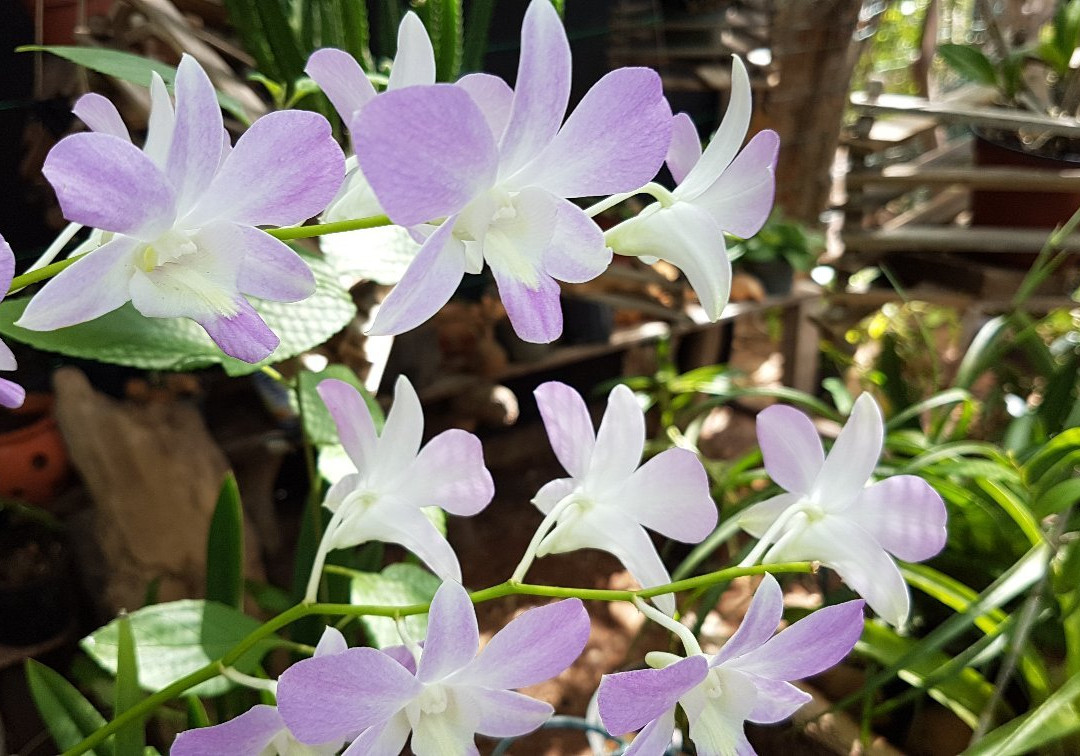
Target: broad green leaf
69, 717
177, 638
966, 694
124, 337
400, 584
970, 62
1054, 719
130, 739
225, 548
318, 424
129, 67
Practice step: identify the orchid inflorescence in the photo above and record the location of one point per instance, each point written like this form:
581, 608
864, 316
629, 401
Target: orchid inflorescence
478, 173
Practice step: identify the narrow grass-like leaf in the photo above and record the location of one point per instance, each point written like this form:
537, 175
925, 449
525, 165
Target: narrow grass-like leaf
1054, 719
1015, 507
67, 714
225, 547
130, 739
476, 35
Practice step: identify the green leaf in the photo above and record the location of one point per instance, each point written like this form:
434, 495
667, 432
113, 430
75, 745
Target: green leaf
129, 67
130, 739
1040, 463
400, 584
1057, 499
982, 352
69, 717
476, 34
355, 25
178, 638
225, 548
1015, 507
970, 62
318, 424
965, 695
196, 713
448, 63
941, 399
124, 337
1056, 718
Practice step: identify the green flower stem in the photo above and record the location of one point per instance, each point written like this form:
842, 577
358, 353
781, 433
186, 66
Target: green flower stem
149, 704
321, 229
297, 232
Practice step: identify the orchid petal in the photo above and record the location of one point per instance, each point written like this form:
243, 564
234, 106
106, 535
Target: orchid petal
100, 115
857, 557
427, 151
506, 714
655, 738
685, 148
283, 170
741, 199
716, 727
762, 618
813, 644
449, 473
614, 141
853, 457
670, 494
341, 79
67, 299
401, 434
535, 646
552, 493
331, 642
493, 96
246, 735
162, 120
330, 698
791, 447
630, 700
619, 441
198, 284
688, 238
542, 89
342, 489
105, 182
403, 656
270, 269
757, 518
429, 282
568, 424
535, 311
195, 151
242, 334
7, 358
576, 252
450, 732
414, 63
12, 395
777, 700
904, 514
413, 530
452, 637
383, 739
351, 416
7, 267
727, 139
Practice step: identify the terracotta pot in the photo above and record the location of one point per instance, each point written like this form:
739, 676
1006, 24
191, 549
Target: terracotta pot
60, 18
34, 461
1018, 209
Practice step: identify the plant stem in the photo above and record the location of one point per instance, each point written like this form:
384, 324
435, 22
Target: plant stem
321, 229
33, 276
149, 704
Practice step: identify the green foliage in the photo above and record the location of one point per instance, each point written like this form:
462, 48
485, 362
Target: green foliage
177, 638
130, 740
399, 584
68, 716
225, 548
780, 239
318, 424
124, 337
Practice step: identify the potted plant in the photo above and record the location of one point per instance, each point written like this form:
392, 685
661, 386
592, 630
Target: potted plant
779, 249
1040, 75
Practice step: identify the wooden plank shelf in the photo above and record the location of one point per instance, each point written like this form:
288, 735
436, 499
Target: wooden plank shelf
912, 238
999, 178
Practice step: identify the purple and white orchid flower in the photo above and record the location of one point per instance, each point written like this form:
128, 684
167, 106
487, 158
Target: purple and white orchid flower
830, 515
748, 680
11, 393
260, 731
720, 190
446, 693
183, 213
493, 167
395, 479
609, 500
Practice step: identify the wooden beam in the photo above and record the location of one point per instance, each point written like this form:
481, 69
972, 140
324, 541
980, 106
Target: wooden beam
954, 239
1003, 179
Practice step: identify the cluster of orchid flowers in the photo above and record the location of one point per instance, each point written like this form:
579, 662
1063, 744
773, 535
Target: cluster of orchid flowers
478, 173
